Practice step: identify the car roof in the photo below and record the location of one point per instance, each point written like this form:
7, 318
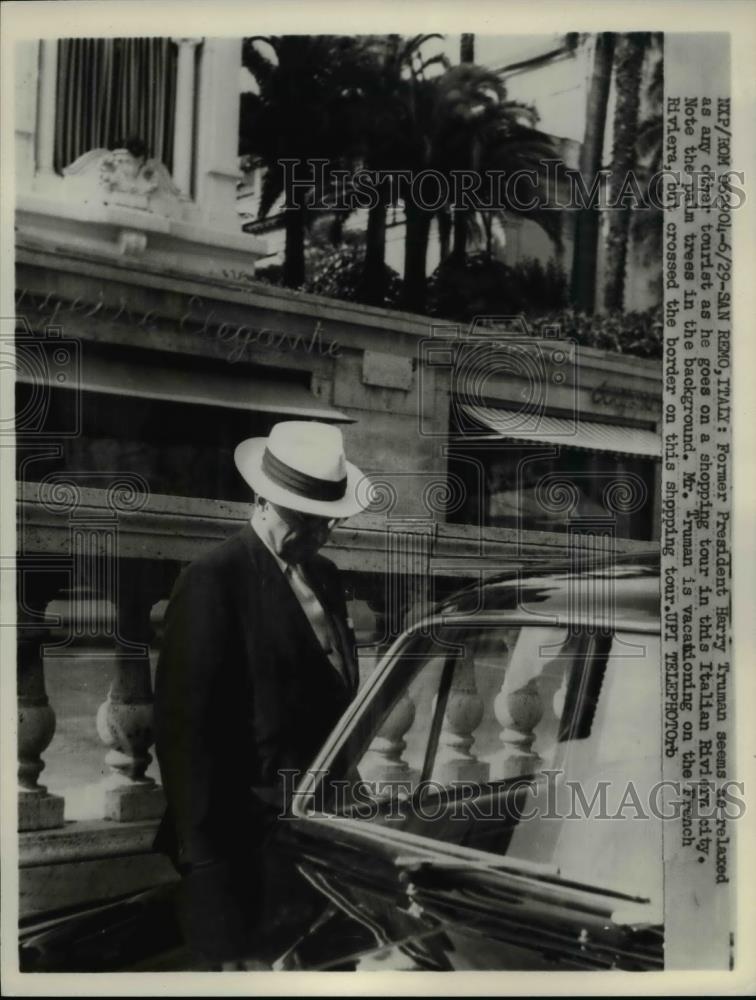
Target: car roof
621, 592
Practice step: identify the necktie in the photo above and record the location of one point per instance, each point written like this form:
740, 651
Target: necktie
316, 615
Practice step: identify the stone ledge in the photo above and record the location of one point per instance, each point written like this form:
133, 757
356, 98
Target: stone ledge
179, 528
191, 229
86, 863
85, 841
360, 322
45, 890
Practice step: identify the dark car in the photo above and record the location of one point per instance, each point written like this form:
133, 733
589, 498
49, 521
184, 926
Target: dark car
499, 809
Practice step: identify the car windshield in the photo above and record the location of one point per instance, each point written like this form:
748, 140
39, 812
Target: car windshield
532, 742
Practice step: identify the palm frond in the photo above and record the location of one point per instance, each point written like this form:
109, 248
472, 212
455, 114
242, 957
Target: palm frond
259, 65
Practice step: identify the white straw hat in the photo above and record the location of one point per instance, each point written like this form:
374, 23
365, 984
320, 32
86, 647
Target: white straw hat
301, 465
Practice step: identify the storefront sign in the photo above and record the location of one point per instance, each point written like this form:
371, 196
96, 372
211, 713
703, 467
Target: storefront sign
200, 319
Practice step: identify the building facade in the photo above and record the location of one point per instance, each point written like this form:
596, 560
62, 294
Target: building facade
145, 350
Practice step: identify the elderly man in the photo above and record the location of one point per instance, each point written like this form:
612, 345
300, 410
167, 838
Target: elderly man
256, 666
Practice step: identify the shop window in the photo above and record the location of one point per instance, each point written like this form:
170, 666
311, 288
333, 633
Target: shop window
112, 89
179, 445
555, 488
178, 449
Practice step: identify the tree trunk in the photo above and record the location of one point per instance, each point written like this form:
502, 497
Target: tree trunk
462, 215
373, 291
443, 219
587, 228
415, 253
294, 261
488, 229
461, 224
467, 48
629, 62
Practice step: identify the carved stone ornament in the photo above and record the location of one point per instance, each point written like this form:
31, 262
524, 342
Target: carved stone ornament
118, 177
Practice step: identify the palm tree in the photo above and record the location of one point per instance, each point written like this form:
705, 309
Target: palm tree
587, 227
431, 140
476, 114
399, 69
461, 120
307, 107
629, 56
647, 224
454, 119
487, 133
460, 223
510, 144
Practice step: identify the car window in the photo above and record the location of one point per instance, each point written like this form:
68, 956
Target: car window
616, 769
457, 720
481, 726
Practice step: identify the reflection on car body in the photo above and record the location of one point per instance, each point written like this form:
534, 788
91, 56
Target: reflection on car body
496, 772
499, 758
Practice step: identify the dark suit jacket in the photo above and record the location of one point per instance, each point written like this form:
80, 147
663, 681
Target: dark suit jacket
243, 692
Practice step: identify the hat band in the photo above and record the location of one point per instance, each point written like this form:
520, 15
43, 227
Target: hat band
309, 487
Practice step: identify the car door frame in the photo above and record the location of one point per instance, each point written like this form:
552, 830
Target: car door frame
587, 926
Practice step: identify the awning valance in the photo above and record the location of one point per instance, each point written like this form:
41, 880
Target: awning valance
210, 388
512, 425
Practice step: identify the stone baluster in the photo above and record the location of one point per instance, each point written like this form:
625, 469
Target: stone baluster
519, 707
533, 687
553, 688
518, 710
125, 719
37, 808
560, 696
384, 761
464, 712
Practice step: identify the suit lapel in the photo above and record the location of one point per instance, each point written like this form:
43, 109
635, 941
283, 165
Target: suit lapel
346, 642
282, 605
341, 628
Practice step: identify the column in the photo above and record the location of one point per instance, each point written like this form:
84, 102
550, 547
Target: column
217, 141
37, 808
125, 719
464, 712
47, 100
183, 135
384, 761
27, 86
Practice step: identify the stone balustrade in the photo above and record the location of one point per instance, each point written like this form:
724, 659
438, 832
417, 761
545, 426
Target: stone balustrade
384, 762
37, 808
96, 564
124, 720
456, 760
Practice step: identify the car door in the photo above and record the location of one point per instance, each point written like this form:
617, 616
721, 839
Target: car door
416, 821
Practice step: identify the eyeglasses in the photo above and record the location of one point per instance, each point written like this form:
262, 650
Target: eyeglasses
306, 522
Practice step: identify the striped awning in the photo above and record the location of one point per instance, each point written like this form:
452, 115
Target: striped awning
513, 425
232, 390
